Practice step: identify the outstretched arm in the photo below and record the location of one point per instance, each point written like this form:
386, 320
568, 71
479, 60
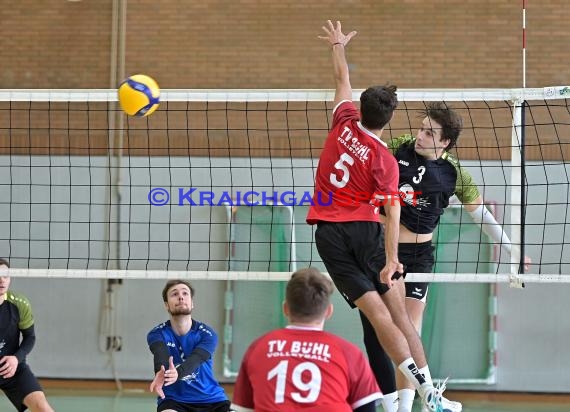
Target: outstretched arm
481, 215
162, 358
160, 354
164, 377
337, 40
192, 362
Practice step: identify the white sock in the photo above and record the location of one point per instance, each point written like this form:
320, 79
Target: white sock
413, 374
406, 400
427, 375
390, 402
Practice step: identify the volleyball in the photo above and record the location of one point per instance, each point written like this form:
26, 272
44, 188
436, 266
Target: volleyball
139, 95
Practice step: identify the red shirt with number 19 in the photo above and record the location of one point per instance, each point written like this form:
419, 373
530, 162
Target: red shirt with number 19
303, 369
354, 166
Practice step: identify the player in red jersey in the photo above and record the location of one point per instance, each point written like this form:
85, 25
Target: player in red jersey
301, 367
357, 169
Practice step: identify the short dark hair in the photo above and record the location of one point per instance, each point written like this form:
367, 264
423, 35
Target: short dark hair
308, 294
450, 121
4, 262
377, 105
174, 282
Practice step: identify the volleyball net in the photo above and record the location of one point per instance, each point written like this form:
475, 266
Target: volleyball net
215, 185
90, 193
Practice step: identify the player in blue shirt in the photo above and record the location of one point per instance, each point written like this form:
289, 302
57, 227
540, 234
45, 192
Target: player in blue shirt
183, 348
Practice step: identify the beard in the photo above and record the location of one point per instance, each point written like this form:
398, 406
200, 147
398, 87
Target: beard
182, 311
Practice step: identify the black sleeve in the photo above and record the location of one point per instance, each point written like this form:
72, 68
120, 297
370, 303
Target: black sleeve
369, 407
28, 342
161, 355
196, 358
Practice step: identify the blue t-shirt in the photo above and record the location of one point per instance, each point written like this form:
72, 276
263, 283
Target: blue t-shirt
201, 385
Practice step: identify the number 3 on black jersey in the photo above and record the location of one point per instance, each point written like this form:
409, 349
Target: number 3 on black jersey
340, 165
417, 179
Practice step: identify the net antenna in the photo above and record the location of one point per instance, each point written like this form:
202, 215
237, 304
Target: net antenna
523, 45
518, 195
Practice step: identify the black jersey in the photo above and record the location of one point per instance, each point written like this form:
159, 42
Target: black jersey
426, 185
15, 315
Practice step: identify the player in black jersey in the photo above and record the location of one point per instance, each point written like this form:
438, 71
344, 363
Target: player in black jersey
16, 379
429, 177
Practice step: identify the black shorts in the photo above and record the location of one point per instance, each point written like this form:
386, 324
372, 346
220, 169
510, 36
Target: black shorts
353, 256
223, 406
417, 258
20, 385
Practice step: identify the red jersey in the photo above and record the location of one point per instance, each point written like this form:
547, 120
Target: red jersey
354, 166
306, 369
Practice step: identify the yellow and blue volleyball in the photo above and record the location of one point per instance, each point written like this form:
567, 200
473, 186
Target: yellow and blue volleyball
139, 95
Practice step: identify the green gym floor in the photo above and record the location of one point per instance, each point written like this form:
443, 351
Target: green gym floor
135, 399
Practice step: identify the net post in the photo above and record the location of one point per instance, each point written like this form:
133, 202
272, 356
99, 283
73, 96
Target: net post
227, 371
229, 298
493, 334
516, 168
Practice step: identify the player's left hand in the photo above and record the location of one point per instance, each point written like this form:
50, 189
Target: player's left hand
158, 382
8, 366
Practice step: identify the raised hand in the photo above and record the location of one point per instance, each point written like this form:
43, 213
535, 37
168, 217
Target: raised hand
335, 35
